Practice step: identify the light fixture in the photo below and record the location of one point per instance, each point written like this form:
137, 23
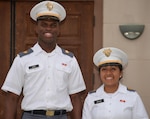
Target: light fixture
131, 31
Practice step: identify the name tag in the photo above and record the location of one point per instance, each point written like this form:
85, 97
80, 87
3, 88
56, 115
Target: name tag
34, 66
98, 101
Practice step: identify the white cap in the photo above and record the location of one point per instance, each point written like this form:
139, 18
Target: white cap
48, 8
110, 55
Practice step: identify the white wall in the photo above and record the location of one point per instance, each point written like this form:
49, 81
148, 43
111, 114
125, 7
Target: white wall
115, 13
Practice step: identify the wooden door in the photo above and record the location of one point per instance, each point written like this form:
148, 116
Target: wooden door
76, 36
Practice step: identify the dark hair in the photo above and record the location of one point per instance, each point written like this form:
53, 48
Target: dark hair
111, 64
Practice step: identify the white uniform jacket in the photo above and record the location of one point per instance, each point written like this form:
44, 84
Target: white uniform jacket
123, 104
47, 79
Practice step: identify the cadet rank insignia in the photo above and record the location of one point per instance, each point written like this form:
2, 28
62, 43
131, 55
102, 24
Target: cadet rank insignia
25, 52
66, 52
130, 90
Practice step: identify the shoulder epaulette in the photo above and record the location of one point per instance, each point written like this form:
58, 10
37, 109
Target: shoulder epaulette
130, 90
66, 52
25, 52
93, 91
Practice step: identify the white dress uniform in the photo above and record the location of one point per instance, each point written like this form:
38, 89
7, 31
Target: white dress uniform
47, 79
123, 104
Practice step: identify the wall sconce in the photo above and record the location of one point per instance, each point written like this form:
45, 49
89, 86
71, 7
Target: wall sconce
131, 31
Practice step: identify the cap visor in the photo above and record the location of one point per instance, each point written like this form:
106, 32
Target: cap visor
48, 18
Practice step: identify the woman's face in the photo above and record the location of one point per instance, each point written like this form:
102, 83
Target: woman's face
110, 75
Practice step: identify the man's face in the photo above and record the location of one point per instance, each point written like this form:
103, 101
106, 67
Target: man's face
47, 30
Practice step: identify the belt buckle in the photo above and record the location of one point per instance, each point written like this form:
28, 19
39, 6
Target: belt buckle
50, 113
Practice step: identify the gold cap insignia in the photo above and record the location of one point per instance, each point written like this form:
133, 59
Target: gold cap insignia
49, 6
107, 52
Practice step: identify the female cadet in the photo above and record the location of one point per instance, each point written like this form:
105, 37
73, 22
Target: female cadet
112, 100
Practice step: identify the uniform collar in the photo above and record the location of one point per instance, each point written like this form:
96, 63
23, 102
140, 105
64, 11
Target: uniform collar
37, 49
121, 89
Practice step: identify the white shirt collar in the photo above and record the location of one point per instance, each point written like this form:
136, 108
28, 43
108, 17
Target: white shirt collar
121, 89
37, 49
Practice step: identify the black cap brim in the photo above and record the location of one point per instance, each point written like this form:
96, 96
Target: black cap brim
47, 17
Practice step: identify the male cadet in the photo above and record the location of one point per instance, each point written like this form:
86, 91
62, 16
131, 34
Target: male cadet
49, 76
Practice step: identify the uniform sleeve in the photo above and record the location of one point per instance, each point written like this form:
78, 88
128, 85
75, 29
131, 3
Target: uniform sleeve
76, 81
139, 111
86, 114
13, 81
